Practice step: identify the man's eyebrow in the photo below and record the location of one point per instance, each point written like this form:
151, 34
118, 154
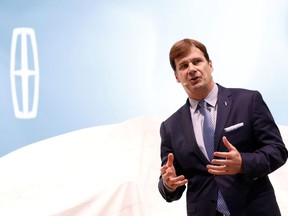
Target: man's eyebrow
190, 60
184, 62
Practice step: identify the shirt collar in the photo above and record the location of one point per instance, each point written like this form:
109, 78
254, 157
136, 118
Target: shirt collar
211, 98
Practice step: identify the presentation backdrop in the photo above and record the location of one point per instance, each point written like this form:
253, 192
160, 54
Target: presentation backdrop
68, 65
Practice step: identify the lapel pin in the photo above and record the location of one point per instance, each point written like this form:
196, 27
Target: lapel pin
225, 103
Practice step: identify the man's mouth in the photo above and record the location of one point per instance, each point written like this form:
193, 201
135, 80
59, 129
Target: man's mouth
194, 78
192, 81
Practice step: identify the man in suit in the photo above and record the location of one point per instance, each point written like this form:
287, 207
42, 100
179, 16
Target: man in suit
247, 144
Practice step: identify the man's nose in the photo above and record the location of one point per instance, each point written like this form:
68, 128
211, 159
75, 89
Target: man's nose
191, 67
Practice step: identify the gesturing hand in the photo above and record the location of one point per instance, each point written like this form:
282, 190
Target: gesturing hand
169, 175
229, 163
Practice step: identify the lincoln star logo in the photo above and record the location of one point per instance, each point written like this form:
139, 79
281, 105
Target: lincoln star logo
24, 73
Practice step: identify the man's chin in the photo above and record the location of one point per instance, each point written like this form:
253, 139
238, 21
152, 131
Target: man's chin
192, 86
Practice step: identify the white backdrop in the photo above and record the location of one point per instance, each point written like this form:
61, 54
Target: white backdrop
70, 175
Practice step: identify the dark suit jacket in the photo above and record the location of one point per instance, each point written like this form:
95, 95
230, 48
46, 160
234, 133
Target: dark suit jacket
259, 142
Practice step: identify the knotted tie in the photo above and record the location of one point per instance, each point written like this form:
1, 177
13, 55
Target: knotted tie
208, 137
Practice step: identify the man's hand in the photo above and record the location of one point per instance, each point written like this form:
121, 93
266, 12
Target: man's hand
170, 180
230, 163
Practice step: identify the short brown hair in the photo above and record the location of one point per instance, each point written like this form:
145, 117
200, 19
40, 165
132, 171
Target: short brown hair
182, 48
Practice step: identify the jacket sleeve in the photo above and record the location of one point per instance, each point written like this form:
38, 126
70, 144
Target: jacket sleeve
170, 196
166, 148
270, 152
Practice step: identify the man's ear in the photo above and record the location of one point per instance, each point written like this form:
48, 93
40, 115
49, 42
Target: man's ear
211, 66
176, 77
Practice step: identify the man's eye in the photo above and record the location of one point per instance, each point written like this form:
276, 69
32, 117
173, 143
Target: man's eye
197, 61
183, 66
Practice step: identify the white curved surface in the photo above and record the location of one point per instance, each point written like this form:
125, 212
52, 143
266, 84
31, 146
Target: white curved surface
107, 170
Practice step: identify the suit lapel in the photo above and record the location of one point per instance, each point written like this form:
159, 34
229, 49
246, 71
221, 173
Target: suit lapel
224, 107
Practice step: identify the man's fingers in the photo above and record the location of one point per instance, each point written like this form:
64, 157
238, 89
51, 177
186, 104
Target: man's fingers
168, 174
163, 169
168, 167
220, 162
174, 182
230, 148
228, 145
218, 170
170, 160
218, 167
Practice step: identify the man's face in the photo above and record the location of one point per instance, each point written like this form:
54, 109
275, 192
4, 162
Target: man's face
194, 72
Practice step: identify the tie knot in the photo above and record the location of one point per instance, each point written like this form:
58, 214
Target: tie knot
203, 104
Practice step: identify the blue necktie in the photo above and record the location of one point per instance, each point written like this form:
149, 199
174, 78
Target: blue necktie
208, 137
208, 129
